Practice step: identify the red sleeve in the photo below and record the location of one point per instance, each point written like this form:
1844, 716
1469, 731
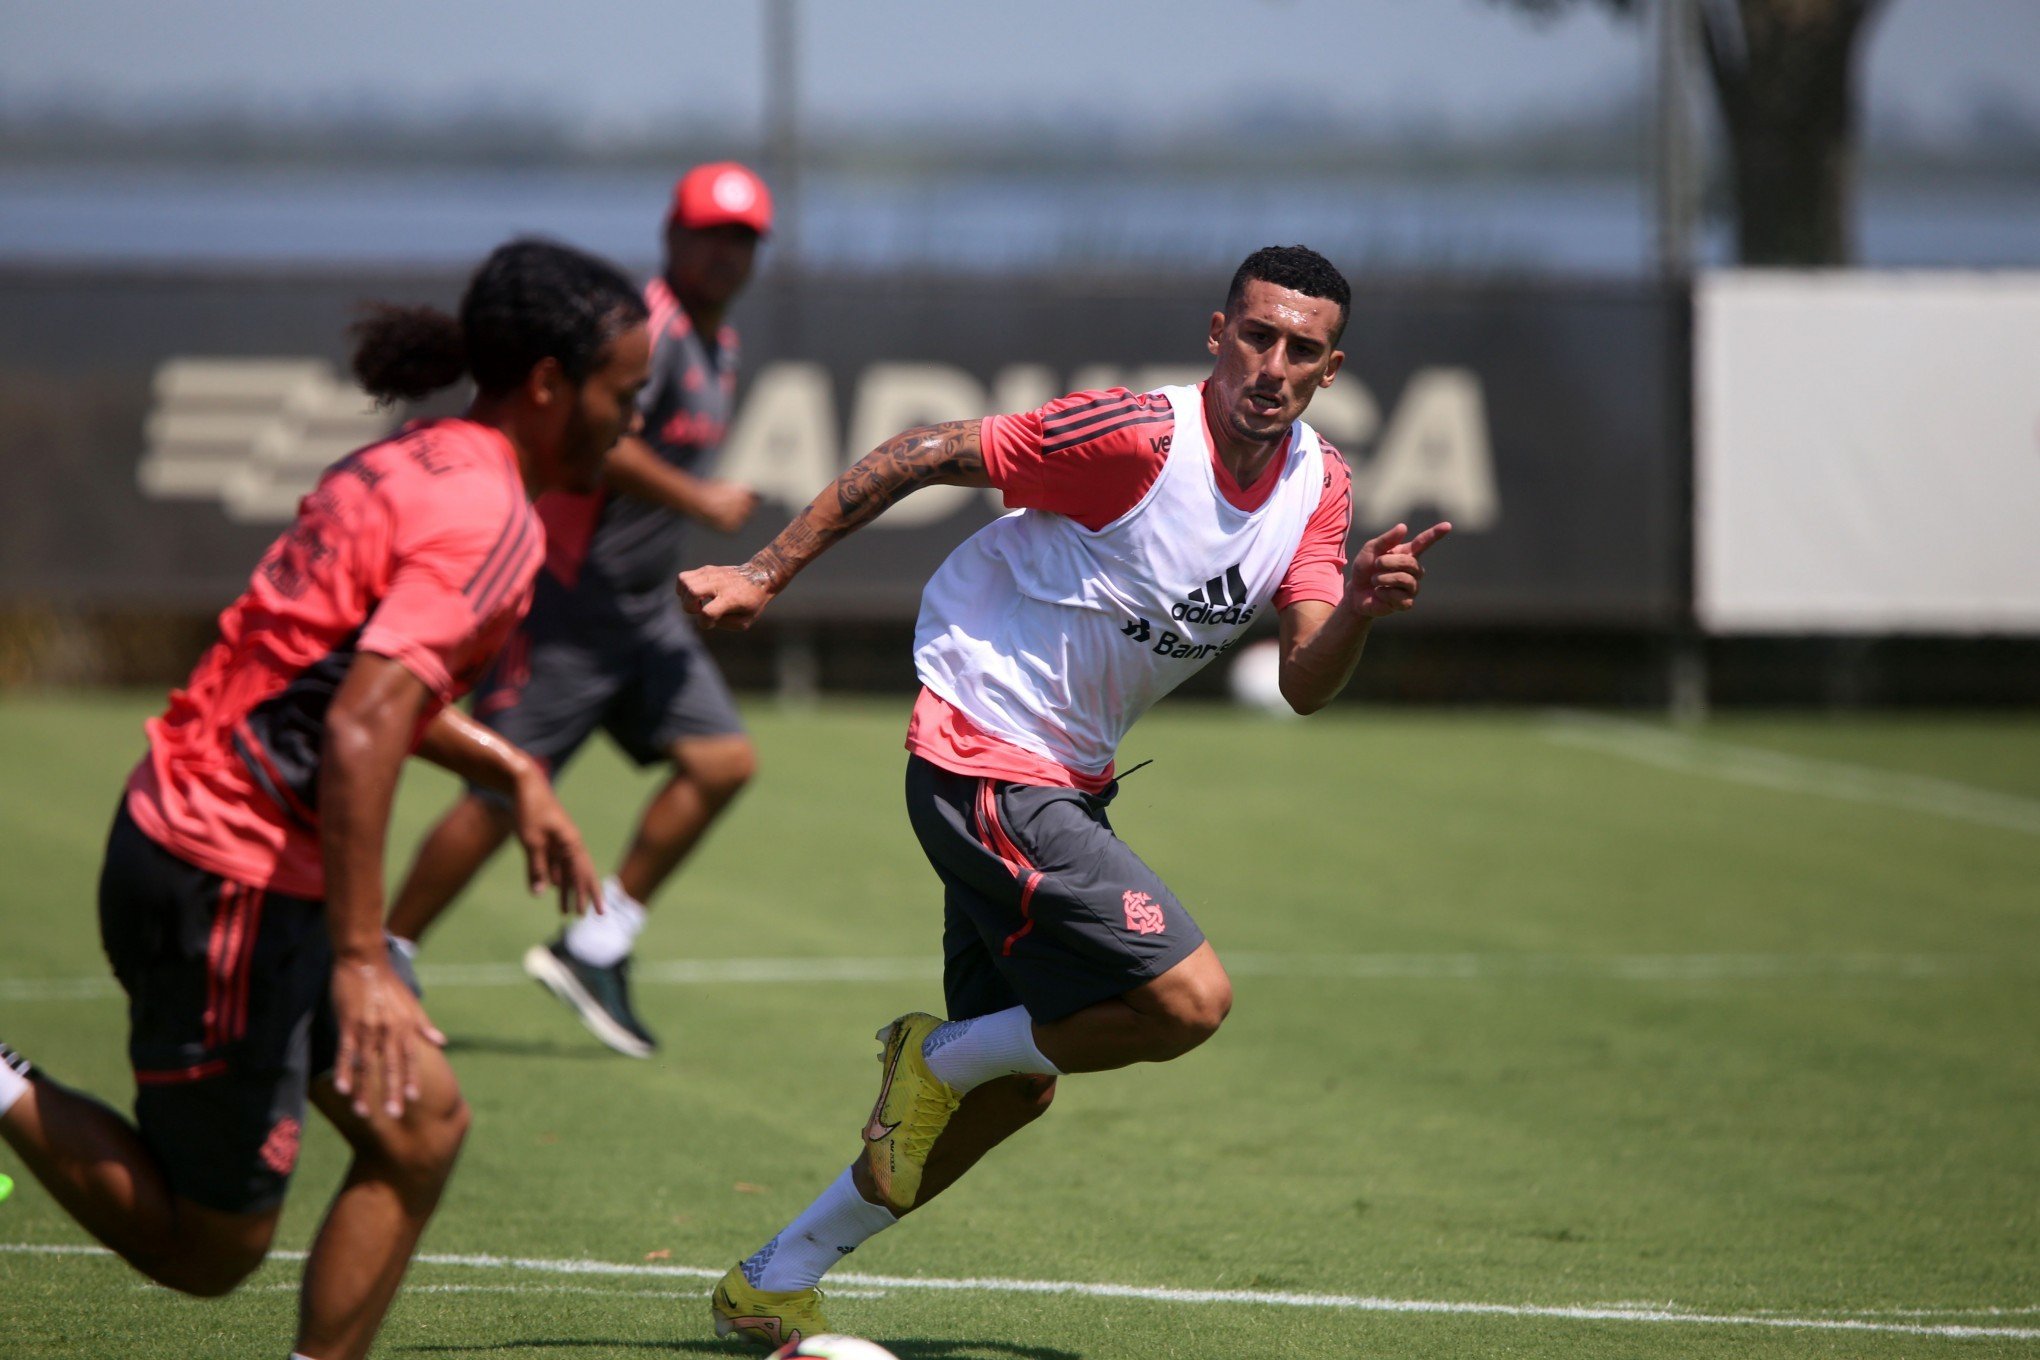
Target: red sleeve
1318, 571
1090, 455
455, 561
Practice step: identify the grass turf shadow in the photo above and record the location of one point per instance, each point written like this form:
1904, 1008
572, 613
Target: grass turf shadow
591, 1050
914, 1348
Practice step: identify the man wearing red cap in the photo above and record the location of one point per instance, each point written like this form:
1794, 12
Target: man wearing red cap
606, 644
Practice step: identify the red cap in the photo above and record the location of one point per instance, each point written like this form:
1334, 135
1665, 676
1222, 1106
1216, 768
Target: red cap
721, 193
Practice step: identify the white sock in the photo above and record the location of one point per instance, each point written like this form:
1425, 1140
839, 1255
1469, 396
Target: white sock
603, 938
13, 1086
835, 1225
408, 948
968, 1053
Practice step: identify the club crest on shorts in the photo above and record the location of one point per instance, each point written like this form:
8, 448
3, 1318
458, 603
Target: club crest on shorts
1143, 917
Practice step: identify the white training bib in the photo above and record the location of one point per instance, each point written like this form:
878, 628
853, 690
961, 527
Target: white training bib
1056, 638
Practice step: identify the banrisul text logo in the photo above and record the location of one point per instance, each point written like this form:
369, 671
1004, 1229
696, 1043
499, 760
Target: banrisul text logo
1168, 643
1221, 600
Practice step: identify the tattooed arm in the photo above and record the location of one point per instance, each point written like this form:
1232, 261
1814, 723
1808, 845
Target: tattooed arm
948, 454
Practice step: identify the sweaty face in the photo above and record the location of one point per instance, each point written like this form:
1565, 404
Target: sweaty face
709, 266
1275, 349
604, 409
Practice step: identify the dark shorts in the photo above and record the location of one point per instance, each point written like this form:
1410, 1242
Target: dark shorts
1043, 905
647, 685
228, 1018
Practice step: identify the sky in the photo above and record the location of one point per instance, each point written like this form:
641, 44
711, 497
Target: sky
638, 66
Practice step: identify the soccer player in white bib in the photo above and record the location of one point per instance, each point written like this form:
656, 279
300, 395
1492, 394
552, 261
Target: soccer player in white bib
1148, 531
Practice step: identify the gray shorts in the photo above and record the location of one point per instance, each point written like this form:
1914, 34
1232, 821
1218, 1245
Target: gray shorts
1043, 905
560, 677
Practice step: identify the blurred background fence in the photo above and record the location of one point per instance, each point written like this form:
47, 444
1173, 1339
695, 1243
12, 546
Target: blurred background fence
1676, 482
1865, 463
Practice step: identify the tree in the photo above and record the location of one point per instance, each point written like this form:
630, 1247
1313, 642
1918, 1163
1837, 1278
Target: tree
1784, 75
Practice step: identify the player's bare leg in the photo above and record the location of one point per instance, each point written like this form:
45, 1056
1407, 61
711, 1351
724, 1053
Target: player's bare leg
587, 967
1154, 1022
447, 861
988, 1116
400, 1168
1005, 1066
94, 1164
708, 773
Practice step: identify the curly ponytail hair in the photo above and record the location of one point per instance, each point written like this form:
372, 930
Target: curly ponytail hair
405, 353
530, 300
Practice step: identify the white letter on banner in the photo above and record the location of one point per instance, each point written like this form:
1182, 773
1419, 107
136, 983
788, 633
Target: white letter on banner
895, 397
1146, 378
1435, 456
1345, 413
1097, 378
1022, 387
1015, 388
783, 443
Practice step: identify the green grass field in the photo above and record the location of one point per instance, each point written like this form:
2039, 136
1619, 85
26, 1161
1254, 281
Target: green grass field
1554, 1037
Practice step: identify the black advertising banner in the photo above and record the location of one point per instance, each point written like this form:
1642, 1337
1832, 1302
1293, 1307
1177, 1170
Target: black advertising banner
157, 428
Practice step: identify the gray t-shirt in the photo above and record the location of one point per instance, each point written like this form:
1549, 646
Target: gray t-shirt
630, 552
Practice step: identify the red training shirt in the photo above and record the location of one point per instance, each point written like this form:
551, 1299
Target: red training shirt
422, 549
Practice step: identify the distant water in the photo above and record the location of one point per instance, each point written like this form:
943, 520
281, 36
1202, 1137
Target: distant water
982, 223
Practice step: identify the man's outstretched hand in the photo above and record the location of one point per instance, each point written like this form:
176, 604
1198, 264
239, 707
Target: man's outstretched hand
1386, 572
724, 597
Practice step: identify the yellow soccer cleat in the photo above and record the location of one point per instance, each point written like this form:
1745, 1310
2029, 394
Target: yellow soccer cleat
913, 1108
772, 1319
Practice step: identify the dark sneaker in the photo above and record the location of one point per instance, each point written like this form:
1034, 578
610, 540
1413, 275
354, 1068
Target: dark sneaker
600, 996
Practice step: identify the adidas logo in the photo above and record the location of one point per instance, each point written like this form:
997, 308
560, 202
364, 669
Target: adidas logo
1221, 600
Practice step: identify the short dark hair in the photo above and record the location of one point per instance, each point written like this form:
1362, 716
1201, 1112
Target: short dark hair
1299, 269
530, 300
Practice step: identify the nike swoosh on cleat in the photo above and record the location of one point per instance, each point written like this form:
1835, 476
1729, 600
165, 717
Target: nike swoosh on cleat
767, 1327
892, 1067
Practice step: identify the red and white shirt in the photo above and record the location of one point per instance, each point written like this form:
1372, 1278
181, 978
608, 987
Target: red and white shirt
1132, 559
422, 549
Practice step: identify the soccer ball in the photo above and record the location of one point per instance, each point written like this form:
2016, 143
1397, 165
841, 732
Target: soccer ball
830, 1347
1255, 678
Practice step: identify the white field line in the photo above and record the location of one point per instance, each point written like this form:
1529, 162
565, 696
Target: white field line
1919, 1312
687, 1297
1650, 1313
673, 972
1619, 967
1945, 798
669, 1295
1356, 967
